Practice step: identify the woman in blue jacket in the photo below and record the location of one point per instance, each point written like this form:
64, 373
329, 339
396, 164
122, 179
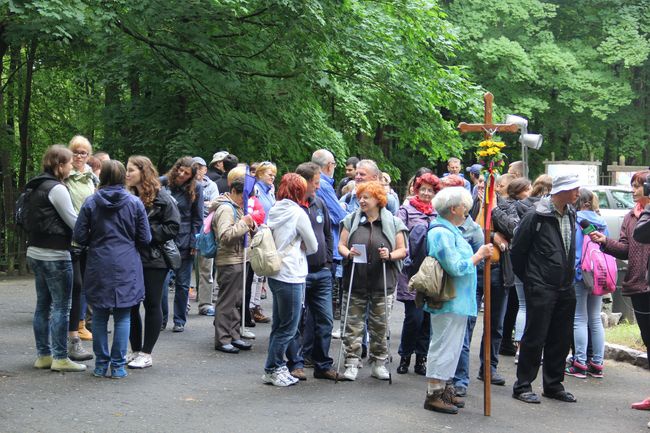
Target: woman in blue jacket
181, 182
112, 223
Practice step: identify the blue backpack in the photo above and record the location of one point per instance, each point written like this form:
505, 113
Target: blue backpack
206, 241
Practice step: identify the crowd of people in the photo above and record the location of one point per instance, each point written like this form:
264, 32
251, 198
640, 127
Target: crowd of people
104, 239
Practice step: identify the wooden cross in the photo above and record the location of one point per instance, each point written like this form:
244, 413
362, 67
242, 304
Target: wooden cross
488, 129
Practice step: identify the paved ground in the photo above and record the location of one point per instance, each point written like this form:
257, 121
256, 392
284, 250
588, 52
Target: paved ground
193, 388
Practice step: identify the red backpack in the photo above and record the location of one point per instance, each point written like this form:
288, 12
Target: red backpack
599, 270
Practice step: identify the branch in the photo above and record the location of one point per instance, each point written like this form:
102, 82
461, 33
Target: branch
198, 56
254, 14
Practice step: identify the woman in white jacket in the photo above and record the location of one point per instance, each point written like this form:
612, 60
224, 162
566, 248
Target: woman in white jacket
294, 239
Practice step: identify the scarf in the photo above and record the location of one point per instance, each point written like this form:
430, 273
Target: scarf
639, 207
425, 208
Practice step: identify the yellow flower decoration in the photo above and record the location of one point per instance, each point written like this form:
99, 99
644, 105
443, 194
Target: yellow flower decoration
490, 156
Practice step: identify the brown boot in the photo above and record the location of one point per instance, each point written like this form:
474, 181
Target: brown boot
258, 315
84, 333
436, 403
449, 395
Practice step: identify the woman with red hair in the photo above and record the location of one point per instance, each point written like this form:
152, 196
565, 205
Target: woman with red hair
384, 238
295, 239
415, 329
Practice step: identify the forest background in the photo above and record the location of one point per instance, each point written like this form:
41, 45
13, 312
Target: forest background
276, 79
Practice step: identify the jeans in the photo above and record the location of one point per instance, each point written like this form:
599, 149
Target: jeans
53, 281
461, 377
181, 292
499, 297
287, 302
520, 324
587, 324
318, 301
415, 331
122, 323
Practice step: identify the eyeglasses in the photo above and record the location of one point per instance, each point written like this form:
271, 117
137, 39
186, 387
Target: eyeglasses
81, 154
333, 163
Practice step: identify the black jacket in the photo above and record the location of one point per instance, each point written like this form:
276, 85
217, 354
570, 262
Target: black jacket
320, 221
642, 233
525, 205
506, 220
214, 174
45, 227
164, 220
538, 255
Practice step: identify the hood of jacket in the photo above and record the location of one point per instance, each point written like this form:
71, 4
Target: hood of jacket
222, 200
543, 207
591, 216
112, 197
284, 213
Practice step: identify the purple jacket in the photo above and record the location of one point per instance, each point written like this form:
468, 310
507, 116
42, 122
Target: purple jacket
411, 217
636, 254
113, 224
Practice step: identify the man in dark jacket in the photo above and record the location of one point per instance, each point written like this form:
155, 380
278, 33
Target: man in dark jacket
216, 171
228, 163
543, 255
318, 316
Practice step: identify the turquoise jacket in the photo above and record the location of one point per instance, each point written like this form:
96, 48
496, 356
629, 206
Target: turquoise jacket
447, 245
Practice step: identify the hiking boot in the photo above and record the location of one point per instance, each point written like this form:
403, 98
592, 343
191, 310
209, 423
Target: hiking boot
258, 315
84, 333
379, 371
330, 374
420, 366
299, 374
43, 362
595, 370
449, 395
76, 351
404, 362
66, 364
576, 370
436, 403
143, 360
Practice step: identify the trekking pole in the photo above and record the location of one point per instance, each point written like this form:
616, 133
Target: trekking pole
345, 322
390, 358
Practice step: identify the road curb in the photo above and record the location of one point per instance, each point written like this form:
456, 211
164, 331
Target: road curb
621, 353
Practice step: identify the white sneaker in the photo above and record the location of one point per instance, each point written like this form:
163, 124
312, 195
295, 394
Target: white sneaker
248, 335
143, 360
380, 372
278, 378
351, 372
336, 334
287, 373
130, 356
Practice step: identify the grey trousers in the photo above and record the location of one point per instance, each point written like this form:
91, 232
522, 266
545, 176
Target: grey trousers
206, 283
228, 305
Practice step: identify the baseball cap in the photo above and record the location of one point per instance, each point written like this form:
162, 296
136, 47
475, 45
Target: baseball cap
474, 168
199, 160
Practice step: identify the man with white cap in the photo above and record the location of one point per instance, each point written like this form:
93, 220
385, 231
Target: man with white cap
216, 171
543, 257
205, 283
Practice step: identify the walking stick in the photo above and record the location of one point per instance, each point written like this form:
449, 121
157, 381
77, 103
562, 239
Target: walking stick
345, 322
243, 292
390, 358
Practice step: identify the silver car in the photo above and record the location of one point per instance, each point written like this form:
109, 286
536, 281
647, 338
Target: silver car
615, 202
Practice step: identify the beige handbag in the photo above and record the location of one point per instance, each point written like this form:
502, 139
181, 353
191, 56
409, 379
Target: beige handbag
432, 284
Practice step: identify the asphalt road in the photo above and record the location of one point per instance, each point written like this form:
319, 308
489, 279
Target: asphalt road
193, 388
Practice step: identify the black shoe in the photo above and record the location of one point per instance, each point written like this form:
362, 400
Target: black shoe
249, 323
227, 348
241, 344
564, 396
495, 378
420, 366
364, 351
527, 397
404, 362
163, 326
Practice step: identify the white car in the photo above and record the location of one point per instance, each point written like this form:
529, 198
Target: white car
615, 202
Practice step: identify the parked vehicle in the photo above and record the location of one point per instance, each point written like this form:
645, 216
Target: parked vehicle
615, 202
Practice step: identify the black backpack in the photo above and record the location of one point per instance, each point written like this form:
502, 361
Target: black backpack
21, 212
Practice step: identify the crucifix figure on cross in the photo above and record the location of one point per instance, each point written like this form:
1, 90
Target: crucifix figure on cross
488, 128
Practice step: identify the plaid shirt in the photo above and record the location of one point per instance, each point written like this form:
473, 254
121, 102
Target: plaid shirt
565, 226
